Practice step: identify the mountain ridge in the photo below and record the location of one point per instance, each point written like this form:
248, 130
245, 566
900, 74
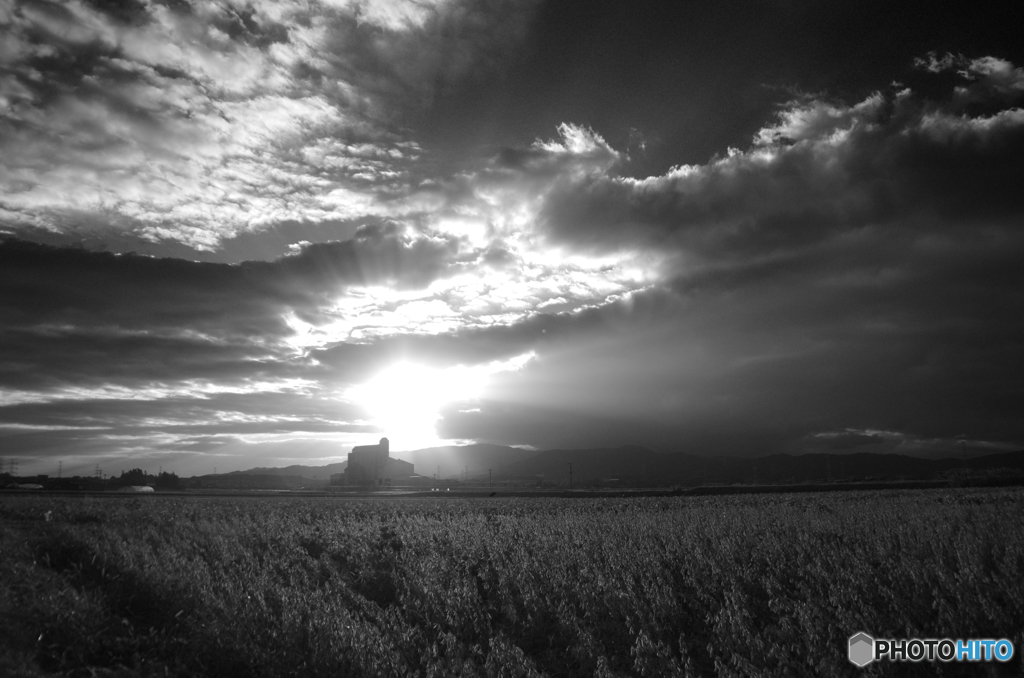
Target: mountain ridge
641, 466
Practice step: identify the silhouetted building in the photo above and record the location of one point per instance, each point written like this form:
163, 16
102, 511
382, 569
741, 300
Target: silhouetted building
372, 465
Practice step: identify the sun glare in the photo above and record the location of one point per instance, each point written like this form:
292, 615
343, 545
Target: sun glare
405, 399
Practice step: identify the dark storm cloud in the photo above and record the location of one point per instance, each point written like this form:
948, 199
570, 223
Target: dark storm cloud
766, 368
77, 317
823, 170
52, 357
383, 253
856, 268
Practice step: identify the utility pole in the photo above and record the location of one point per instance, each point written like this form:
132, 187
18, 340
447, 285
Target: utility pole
570, 475
60, 469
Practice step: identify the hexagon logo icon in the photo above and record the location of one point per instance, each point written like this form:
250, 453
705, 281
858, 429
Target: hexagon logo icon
862, 649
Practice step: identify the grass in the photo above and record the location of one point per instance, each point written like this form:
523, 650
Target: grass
759, 585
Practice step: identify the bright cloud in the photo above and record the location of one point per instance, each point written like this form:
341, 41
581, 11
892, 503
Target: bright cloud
199, 121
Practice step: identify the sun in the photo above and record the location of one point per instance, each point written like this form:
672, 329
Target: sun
405, 400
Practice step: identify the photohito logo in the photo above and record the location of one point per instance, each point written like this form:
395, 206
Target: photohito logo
863, 649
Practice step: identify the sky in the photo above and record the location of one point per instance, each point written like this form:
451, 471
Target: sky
238, 234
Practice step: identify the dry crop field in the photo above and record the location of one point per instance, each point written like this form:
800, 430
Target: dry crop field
754, 585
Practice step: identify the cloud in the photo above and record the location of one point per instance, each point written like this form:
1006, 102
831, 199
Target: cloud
985, 76
193, 122
183, 434
74, 316
855, 440
128, 356
823, 170
854, 267
579, 150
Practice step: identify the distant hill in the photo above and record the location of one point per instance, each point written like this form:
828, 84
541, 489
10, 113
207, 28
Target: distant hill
638, 466
454, 460
633, 466
628, 461
251, 481
320, 472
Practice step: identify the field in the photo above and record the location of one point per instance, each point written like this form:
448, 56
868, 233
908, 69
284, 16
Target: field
758, 585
